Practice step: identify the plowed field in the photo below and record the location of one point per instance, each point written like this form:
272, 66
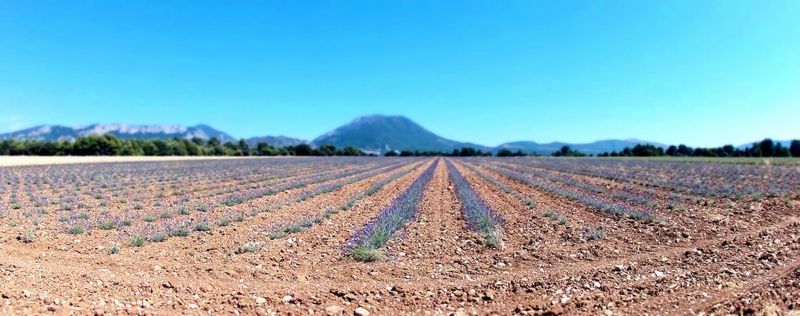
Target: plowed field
393, 236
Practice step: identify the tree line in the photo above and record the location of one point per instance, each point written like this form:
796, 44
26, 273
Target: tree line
764, 148
463, 152
110, 145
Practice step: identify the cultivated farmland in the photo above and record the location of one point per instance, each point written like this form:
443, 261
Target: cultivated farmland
400, 235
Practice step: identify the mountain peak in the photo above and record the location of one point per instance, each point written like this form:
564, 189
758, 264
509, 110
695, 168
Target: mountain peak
382, 133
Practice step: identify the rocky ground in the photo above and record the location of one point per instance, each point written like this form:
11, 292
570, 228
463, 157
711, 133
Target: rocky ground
715, 259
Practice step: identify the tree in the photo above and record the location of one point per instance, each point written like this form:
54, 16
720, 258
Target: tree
264, 149
302, 150
325, 150
647, 150
94, 145
672, 150
162, 148
767, 147
214, 141
192, 148
565, 151
627, 152
244, 148
231, 149
352, 151
684, 150
754, 150
504, 153
198, 141
794, 148
391, 153
467, 152
781, 151
703, 152
729, 150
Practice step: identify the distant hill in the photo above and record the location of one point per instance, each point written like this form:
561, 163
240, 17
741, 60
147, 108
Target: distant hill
123, 131
594, 148
374, 134
276, 141
379, 134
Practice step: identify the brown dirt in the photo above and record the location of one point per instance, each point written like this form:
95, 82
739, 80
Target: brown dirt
692, 263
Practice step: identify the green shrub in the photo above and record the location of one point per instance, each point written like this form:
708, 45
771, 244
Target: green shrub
202, 226
136, 241
75, 230
366, 254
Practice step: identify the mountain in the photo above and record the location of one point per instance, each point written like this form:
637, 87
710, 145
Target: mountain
379, 134
123, 131
597, 147
275, 141
374, 134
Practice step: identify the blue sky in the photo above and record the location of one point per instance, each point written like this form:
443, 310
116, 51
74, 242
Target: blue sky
697, 72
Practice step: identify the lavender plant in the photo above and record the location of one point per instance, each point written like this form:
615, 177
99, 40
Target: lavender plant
365, 244
475, 210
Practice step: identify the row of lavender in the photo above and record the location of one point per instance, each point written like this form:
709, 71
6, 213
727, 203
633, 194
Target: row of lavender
480, 217
589, 233
157, 221
153, 233
366, 243
599, 202
182, 227
624, 191
97, 193
42, 183
719, 180
301, 225
74, 220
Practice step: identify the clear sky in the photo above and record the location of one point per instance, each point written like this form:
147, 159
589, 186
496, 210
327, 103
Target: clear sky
702, 73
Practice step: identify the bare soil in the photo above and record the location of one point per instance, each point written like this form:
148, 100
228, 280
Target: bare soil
704, 259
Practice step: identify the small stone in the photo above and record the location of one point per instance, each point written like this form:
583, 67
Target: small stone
157, 268
288, 299
260, 300
564, 299
193, 306
334, 310
659, 273
360, 311
488, 295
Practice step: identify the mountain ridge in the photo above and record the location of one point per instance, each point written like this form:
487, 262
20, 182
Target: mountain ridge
55, 132
371, 133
